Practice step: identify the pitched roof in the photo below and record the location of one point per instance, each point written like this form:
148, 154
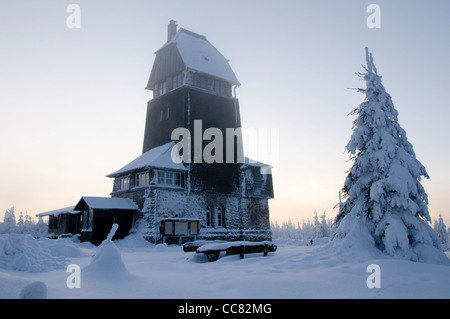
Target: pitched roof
106, 203
196, 54
158, 157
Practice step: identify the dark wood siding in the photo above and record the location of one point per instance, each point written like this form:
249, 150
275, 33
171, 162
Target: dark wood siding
167, 63
158, 130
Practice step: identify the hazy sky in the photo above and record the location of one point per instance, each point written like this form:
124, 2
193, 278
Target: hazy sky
73, 103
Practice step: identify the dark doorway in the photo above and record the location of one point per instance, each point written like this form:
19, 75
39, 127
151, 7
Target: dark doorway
103, 220
102, 227
73, 223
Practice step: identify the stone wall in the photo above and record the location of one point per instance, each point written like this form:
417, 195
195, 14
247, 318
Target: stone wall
244, 218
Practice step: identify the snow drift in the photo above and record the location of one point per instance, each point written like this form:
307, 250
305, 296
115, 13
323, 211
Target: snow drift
35, 290
24, 253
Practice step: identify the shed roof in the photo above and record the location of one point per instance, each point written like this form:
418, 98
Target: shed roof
106, 203
56, 212
158, 157
196, 54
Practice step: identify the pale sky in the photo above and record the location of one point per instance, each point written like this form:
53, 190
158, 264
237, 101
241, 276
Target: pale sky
73, 103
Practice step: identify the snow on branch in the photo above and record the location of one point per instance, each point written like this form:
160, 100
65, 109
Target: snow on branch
369, 60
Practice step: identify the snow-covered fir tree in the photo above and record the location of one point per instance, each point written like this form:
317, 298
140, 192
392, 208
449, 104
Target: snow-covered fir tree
21, 221
385, 203
325, 226
9, 221
441, 230
25, 224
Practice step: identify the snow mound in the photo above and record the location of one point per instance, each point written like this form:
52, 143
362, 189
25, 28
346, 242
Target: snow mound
35, 290
135, 240
161, 247
107, 263
61, 247
24, 253
430, 254
352, 239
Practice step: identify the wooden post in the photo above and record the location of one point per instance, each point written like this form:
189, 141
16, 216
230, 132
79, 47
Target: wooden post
241, 255
266, 249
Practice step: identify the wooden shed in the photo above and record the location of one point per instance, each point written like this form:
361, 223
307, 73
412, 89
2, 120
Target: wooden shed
99, 213
63, 221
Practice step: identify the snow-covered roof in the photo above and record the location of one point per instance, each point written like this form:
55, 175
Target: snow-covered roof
197, 54
106, 203
200, 55
158, 157
264, 168
56, 212
252, 162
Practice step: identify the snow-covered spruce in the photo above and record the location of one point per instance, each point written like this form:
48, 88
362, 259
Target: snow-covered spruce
385, 204
441, 230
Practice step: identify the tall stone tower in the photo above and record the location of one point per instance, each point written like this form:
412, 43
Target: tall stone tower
213, 191
193, 85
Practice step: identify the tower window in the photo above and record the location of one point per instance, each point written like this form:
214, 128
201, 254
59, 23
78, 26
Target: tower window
203, 82
177, 81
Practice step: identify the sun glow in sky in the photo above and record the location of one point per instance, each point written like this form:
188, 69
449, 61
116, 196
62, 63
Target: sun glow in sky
73, 103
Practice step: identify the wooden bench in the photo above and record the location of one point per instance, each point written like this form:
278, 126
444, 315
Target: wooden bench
212, 250
194, 245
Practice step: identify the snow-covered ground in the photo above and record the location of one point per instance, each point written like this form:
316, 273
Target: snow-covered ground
133, 268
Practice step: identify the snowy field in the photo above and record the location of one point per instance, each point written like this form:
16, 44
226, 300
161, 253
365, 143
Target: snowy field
133, 268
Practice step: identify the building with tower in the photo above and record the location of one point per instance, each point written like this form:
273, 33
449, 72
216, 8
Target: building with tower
192, 180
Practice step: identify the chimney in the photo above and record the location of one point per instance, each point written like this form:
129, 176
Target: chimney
171, 30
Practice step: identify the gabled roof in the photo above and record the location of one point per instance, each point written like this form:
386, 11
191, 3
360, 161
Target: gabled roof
196, 53
106, 203
158, 157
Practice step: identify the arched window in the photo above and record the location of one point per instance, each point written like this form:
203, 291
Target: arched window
208, 217
220, 216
